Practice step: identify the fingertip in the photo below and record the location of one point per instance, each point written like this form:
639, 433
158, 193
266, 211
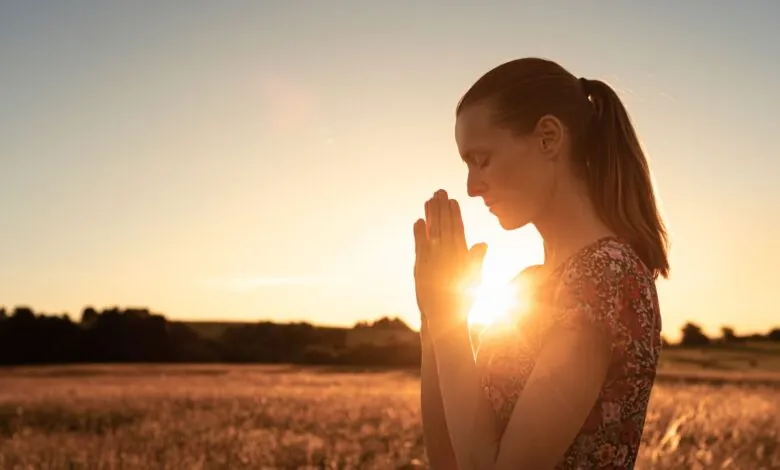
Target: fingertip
480, 248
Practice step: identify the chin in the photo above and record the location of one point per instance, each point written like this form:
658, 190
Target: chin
513, 223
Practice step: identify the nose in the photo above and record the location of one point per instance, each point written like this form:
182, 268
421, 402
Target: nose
475, 186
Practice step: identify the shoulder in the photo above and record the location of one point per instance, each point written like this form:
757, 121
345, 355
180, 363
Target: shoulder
607, 286
608, 265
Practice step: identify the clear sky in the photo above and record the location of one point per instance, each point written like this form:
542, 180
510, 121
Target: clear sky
266, 160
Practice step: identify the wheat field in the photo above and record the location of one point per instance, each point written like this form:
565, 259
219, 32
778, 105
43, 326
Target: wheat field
284, 417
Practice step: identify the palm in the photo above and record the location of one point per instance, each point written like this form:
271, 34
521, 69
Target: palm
444, 266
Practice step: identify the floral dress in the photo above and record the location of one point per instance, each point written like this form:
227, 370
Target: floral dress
605, 284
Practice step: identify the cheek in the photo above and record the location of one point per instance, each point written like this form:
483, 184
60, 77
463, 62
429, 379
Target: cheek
514, 176
526, 182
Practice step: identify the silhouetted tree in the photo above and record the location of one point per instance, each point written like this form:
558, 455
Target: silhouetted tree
692, 335
29, 339
727, 335
387, 323
774, 335
24, 314
88, 316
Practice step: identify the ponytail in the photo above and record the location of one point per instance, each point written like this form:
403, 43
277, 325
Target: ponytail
619, 178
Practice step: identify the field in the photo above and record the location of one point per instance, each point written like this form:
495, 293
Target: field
263, 417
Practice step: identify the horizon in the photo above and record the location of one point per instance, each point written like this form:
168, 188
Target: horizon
247, 162
674, 337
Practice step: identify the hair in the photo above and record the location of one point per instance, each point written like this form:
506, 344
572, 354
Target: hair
606, 152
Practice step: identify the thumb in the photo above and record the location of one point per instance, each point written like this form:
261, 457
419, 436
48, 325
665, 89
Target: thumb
477, 254
474, 261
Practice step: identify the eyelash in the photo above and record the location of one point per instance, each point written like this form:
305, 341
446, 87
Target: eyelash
483, 164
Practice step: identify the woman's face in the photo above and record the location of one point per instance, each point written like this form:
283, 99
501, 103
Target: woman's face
514, 175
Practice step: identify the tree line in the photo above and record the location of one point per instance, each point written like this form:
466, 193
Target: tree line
138, 335
692, 335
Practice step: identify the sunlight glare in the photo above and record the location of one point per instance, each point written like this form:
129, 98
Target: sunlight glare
493, 302
500, 293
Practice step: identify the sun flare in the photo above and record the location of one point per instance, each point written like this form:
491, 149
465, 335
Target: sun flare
501, 291
491, 303
494, 301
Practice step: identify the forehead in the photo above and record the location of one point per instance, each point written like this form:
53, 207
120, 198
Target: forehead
474, 126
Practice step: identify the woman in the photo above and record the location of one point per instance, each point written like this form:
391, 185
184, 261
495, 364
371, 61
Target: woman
566, 384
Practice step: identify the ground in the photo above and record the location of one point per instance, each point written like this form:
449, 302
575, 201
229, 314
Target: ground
263, 417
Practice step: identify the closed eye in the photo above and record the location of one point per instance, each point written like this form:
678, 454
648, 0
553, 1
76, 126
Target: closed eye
481, 160
477, 159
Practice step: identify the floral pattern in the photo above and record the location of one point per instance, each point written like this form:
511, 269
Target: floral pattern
607, 285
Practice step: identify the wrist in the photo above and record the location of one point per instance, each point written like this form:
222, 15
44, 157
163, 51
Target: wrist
447, 332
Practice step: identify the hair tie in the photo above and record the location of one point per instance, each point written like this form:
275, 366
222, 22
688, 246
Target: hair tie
585, 84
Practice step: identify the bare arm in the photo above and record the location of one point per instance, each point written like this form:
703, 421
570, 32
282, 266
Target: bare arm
438, 446
472, 426
554, 404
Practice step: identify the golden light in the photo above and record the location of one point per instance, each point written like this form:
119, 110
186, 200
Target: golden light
500, 292
491, 303
495, 301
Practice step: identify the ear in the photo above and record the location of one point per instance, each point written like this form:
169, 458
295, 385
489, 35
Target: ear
549, 134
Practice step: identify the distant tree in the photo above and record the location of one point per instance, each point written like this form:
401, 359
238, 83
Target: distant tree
692, 335
3, 315
88, 316
387, 323
774, 335
23, 313
139, 313
664, 342
727, 335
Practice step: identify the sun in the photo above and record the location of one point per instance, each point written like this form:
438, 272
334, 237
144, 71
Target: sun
495, 300
492, 302
500, 292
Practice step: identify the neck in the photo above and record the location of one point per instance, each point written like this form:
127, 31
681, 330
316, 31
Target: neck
569, 224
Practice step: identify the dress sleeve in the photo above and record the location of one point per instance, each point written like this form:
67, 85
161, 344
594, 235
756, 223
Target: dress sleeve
595, 292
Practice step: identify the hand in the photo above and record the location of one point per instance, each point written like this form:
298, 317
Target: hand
444, 267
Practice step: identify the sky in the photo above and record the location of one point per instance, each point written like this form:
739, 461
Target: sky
242, 160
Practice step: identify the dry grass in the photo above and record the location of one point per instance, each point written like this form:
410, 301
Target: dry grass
191, 417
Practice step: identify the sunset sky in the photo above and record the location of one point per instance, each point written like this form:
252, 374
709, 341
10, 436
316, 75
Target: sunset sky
266, 160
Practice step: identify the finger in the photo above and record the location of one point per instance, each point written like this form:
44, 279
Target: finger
445, 216
420, 240
476, 258
428, 219
458, 231
477, 253
434, 223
